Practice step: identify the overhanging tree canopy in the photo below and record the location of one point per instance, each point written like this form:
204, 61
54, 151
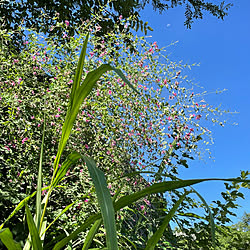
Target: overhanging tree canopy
29, 12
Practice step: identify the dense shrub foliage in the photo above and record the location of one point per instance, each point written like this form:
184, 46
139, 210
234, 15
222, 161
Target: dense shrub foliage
156, 132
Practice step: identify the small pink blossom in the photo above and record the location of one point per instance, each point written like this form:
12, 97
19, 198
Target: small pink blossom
24, 140
142, 207
57, 115
67, 23
110, 92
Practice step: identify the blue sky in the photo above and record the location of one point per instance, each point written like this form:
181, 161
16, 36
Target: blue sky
223, 50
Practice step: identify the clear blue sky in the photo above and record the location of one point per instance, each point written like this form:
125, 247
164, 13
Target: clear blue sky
223, 50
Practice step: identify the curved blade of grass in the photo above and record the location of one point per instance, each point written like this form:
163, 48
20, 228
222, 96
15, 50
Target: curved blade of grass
211, 218
64, 211
97, 224
71, 160
7, 239
91, 234
82, 92
20, 205
39, 183
105, 202
129, 199
79, 70
151, 244
128, 240
163, 187
74, 234
35, 239
119, 73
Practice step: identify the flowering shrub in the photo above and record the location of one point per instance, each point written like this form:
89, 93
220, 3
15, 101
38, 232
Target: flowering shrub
157, 131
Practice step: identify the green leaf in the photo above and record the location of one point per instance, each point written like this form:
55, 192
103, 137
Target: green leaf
163, 187
105, 202
128, 200
57, 217
97, 224
151, 244
79, 70
119, 73
71, 160
20, 206
74, 234
211, 218
35, 239
7, 239
91, 234
39, 184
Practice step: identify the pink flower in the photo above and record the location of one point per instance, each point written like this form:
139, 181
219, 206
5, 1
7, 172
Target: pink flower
86, 146
86, 200
110, 92
91, 53
57, 115
24, 140
67, 23
120, 17
142, 207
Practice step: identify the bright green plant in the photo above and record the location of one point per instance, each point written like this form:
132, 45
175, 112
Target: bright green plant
37, 226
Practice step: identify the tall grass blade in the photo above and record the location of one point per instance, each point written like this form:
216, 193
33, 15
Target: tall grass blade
35, 239
129, 199
79, 70
7, 239
39, 183
105, 203
211, 218
163, 187
96, 225
91, 234
58, 216
151, 244
74, 234
20, 206
71, 160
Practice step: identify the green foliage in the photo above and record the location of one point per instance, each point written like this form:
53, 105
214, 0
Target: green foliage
158, 130
43, 15
236, 236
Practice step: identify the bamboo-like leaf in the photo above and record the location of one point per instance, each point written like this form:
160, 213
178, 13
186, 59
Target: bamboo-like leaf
151, 244
79, 70
129, 199
91, 234
58, 216
163, 187
35, 239
96, 225
119, 73
20, 206
74, 234
211, 218
71, 160
105, 203
7, 238
82, 92
128, 240
39, 183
